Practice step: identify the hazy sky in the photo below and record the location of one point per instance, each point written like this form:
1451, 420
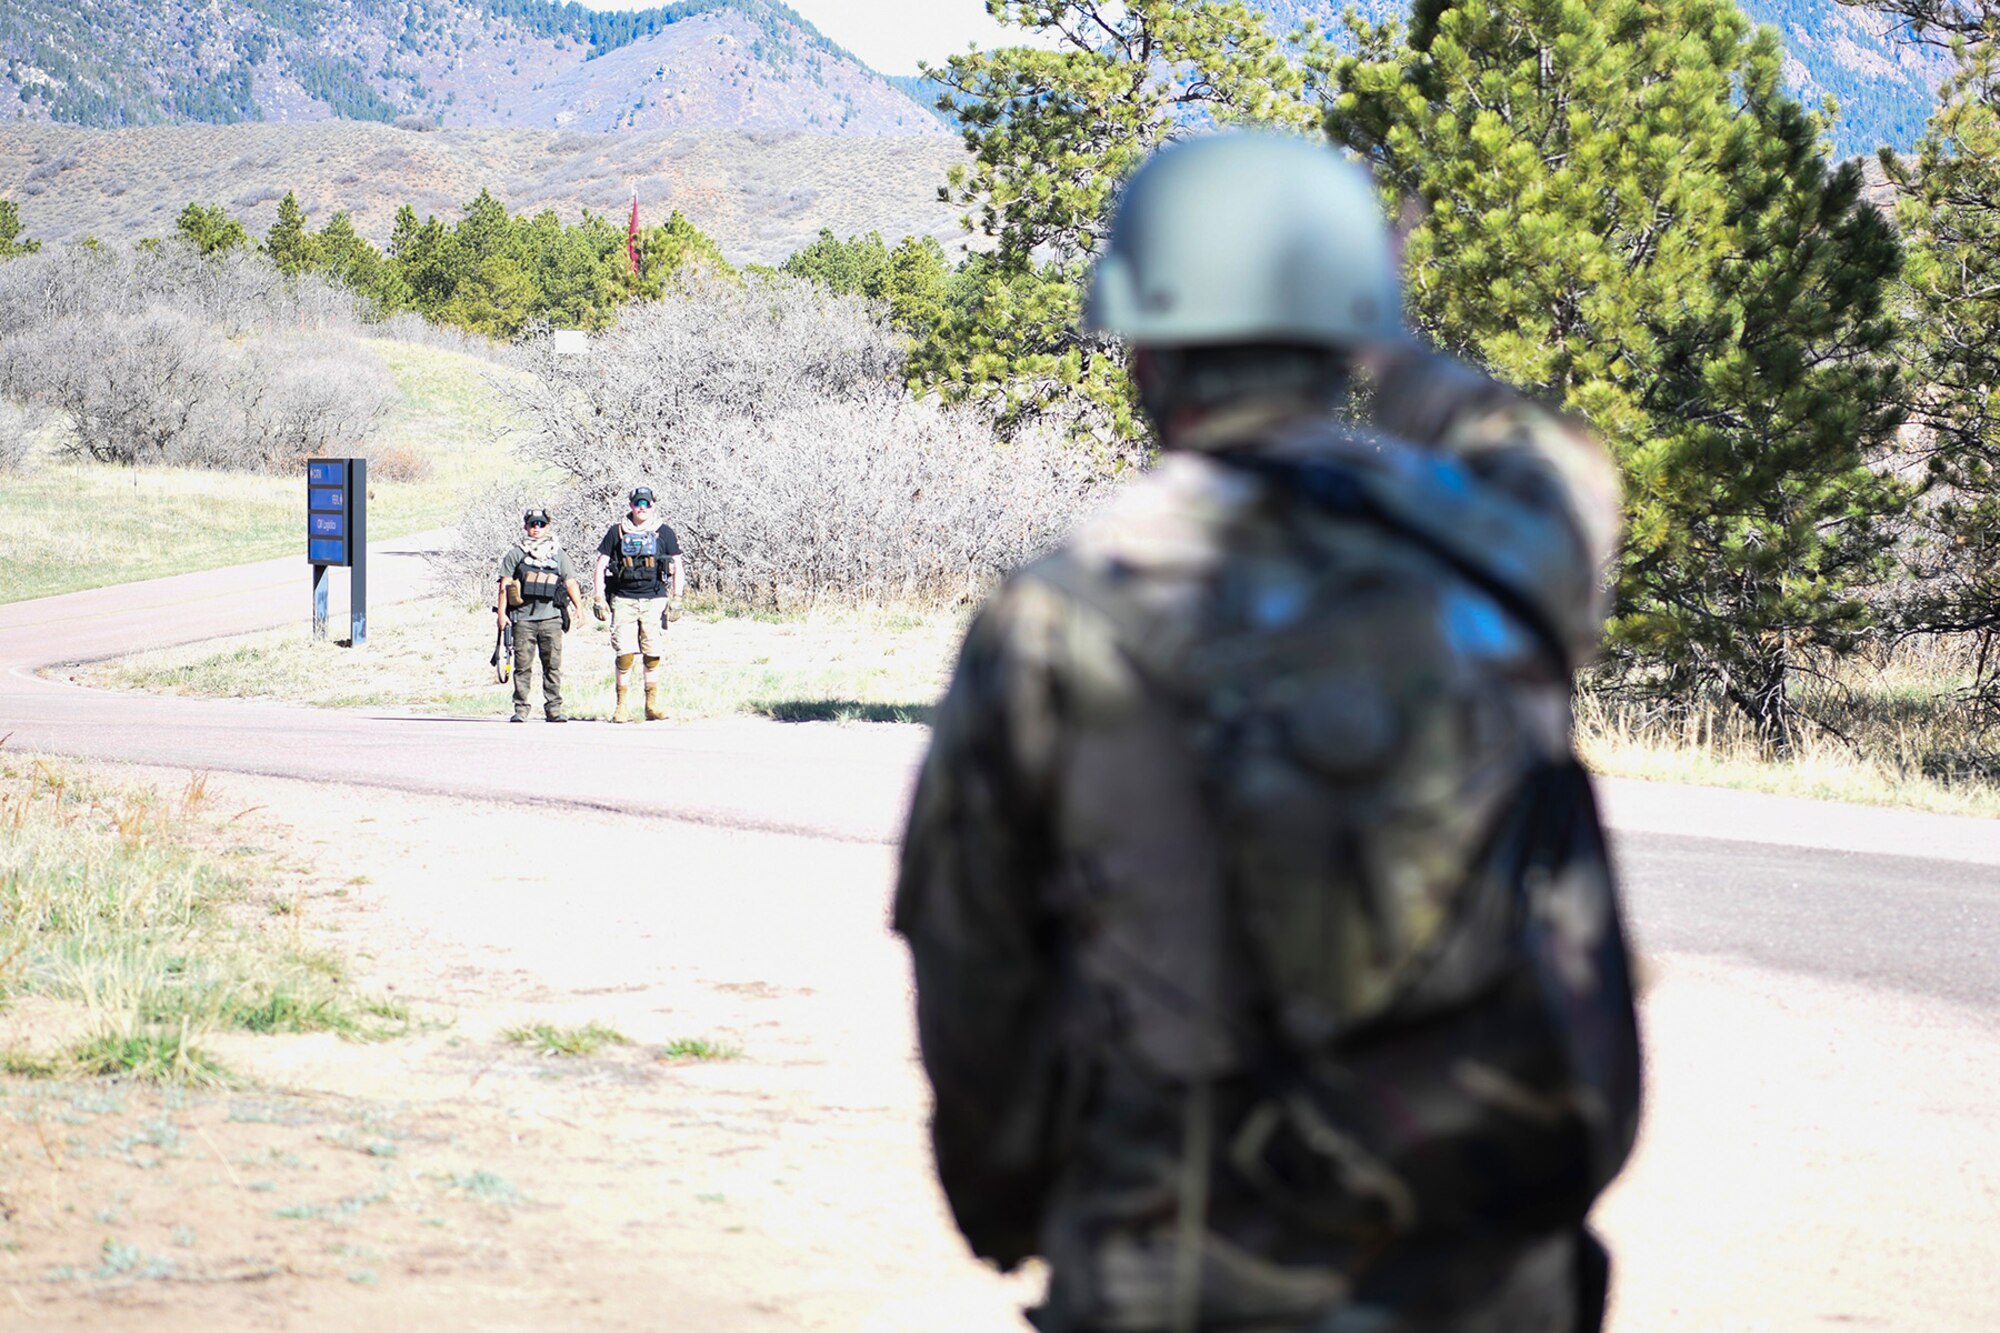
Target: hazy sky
891, 35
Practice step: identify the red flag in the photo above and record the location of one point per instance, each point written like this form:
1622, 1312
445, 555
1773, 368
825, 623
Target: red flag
632, 236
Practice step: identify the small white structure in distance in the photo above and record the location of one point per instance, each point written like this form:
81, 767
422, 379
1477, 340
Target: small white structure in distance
569, 342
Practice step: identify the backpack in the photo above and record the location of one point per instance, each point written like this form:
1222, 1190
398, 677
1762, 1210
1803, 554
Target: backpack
1438, 1023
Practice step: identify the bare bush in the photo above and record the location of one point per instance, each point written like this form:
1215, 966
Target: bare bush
19, 426
771, 419
467, 563
290, 399
236, 294
161, 357
131, 389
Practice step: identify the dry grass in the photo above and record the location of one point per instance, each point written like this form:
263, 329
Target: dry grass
432, 656
128, 916
1900, 731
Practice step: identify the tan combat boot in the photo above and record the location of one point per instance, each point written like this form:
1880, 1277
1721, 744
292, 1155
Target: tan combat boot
654, 712
624, 711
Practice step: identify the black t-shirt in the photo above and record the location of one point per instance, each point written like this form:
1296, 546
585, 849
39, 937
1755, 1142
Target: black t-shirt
638, 560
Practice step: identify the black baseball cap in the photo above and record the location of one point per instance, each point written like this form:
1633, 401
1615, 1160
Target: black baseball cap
640, 493
535, 518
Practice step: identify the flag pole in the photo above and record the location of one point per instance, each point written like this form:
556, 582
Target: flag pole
632, 234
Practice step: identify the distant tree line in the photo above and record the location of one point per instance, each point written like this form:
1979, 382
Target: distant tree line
601, 31
489, 272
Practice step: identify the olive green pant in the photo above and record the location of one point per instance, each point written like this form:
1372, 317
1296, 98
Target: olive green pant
529, 636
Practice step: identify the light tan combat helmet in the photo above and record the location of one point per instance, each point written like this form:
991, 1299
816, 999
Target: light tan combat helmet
1248, 238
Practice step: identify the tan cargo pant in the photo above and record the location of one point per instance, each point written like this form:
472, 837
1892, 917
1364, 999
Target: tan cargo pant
635, 626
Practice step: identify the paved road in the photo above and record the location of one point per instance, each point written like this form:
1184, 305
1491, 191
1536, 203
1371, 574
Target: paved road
842, 783
1890, 899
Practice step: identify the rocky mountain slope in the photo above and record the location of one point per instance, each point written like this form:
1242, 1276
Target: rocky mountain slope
699, 64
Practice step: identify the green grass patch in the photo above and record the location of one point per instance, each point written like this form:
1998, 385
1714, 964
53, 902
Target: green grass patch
124, 903
151, 1055
485, 1186
698, 1049
67, 526
548, 1039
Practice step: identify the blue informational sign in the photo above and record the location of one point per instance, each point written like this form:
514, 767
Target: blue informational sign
337, 534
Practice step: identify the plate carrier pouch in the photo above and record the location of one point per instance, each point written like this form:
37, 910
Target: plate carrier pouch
1436, 1021
540, 581
638, 553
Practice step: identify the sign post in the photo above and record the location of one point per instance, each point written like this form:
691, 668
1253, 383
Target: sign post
337, 535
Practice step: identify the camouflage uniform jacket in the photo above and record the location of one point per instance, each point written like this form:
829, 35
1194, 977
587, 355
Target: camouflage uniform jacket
1082, 971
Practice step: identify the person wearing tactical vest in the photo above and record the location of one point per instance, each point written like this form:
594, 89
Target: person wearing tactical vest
639, 569
537, 589
1269, 970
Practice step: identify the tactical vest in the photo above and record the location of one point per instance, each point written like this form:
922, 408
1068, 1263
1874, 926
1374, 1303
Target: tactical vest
1331, 845
540, 581
639, 555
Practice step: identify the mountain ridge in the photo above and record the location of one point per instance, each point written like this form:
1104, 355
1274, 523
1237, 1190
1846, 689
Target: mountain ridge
742, 64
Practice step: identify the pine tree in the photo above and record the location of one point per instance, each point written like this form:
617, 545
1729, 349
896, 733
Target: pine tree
666, 249
917, 286
857, 265
1950, 216
211, 230
1622, 210
1052, 135
344, 255
12, 243
288, 243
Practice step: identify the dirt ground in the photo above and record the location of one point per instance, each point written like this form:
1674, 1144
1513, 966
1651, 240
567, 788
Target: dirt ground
453, 1179
1815, 1156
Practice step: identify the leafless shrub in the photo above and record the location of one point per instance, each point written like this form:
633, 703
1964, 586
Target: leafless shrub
772, 421
19, 426
289, 399
131, 388
468, 563
162, 357
236, 294
396, 463
420, 332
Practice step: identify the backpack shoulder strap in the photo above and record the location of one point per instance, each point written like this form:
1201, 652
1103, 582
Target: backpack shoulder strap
1343, 492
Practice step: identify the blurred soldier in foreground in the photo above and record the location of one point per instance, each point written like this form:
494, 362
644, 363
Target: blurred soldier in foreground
1269, 970
639, 565
537, 589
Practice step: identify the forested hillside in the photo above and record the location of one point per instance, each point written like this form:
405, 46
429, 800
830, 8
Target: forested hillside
737, 64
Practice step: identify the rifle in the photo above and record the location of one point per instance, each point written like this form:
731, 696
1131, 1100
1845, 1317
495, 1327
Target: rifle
503, 653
